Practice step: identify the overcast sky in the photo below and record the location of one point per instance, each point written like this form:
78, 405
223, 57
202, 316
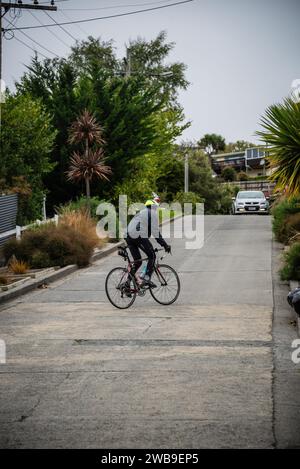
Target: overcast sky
242, 55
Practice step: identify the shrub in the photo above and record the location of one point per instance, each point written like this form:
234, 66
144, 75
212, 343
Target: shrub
242, 176
291, 269
164, 214
13, 248
52, 245
235, 190
188, 197
281, 210
292, 225
79, 205
229, 174
81, 222
41, 260
18, 267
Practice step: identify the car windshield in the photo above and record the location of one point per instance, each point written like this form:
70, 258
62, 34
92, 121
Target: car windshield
251, 195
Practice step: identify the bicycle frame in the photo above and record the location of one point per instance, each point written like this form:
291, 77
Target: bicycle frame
130, 265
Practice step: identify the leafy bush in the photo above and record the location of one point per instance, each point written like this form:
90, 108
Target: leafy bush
80, 205
235, 190
188, 197
164, 214
281, 210
229, 174
225, 193
40, 260
291, 269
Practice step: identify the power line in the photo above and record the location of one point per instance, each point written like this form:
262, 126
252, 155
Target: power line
33, 40
112, 7
60, 26
77, 25
5, 7
49, 30
106, 17
34, 50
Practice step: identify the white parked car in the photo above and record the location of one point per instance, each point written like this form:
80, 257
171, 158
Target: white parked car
250, 202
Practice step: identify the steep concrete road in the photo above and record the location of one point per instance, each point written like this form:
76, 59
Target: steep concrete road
197, 374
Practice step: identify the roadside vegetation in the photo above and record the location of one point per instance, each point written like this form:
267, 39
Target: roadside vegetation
71, 241
281, 132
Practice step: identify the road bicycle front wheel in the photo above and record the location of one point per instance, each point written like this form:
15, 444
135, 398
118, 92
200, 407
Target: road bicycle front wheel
167, 285
120, 288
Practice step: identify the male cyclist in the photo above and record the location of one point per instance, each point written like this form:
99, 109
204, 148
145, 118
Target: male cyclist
139, 230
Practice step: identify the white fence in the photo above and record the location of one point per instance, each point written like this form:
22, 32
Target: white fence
17, 232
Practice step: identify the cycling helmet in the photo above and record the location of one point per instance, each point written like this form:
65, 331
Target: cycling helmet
154, 201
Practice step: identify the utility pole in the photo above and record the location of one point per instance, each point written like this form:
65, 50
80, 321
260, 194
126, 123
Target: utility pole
128, 63
6, 6
186, 172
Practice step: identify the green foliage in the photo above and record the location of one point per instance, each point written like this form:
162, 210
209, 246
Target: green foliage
27, 138
212, 143
281, 210
235, 189
188, 197
292, 223
165, 214
50, 245
81, 203
229, 174
40, 260
140, 114
291, 269
206, 186
239, 145
281, 124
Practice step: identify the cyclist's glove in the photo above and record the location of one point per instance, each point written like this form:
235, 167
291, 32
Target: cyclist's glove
168, 248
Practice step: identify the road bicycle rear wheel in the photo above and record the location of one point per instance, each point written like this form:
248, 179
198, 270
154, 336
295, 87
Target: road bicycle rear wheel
167, 285
120, 288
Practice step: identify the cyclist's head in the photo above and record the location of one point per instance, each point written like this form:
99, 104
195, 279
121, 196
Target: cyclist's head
154, 202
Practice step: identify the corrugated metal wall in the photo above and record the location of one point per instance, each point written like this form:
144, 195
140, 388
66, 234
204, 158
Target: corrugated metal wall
8, 214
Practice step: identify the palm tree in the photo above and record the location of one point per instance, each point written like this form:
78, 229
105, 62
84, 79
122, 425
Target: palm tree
281, 133
86, 130
88, 166
91, 164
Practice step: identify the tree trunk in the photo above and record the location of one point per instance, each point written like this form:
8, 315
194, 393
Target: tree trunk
88, 194
87, 181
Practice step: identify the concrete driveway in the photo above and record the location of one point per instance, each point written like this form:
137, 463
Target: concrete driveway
196, 374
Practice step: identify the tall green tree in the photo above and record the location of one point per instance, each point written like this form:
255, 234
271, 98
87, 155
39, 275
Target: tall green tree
212, 143
54, 83
27, 138
140, 114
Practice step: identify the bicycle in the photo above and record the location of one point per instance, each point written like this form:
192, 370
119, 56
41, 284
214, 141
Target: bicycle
121, 286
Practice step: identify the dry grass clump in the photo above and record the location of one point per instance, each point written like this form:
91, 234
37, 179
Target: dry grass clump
18, 267
81, 222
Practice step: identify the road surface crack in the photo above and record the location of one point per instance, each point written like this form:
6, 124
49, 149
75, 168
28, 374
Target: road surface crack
33, 409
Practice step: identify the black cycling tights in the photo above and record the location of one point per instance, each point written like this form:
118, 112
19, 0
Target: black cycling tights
144, 244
